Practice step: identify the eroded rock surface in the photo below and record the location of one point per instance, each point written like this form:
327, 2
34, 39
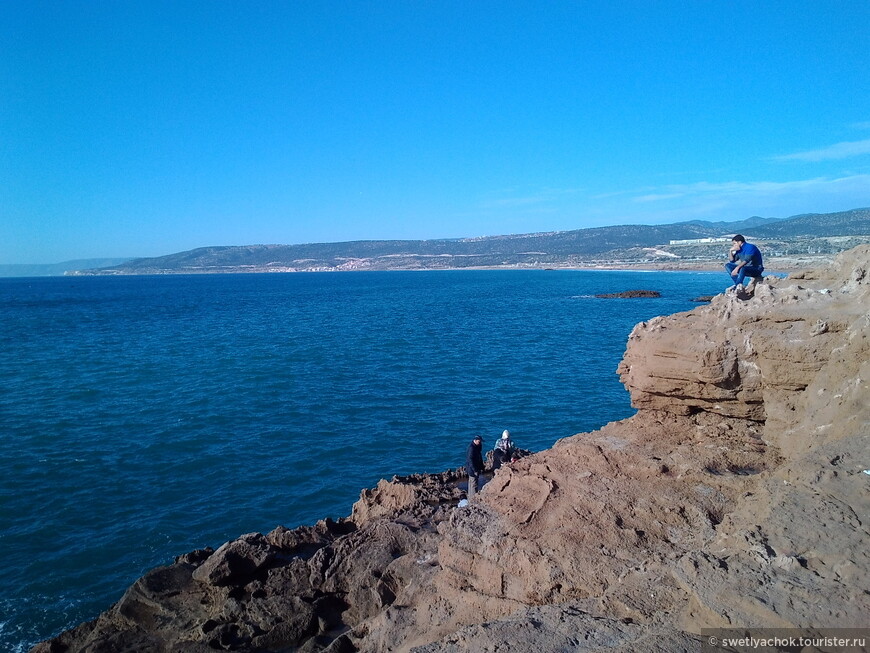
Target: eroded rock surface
735, 497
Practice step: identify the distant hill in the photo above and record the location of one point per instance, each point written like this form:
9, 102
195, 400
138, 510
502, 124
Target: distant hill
624, 243
846, 223
742, 225
58, 269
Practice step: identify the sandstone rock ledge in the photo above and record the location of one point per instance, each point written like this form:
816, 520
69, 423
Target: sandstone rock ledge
733, 498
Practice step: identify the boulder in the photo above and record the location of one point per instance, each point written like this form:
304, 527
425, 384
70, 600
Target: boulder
236, 562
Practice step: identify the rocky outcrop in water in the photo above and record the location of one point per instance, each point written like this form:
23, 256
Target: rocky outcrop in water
630, 294
733, 498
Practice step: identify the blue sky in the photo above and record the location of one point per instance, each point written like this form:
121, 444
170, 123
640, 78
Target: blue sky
146, 128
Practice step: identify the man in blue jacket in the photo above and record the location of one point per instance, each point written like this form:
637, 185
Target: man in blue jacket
474, 464
745, 261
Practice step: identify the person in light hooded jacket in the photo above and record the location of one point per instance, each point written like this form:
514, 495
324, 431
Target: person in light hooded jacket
503, 450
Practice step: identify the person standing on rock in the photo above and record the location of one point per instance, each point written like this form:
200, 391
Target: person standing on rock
503, 450
745, 261
474, 464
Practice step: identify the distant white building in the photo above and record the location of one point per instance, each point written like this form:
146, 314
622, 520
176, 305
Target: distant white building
695, 241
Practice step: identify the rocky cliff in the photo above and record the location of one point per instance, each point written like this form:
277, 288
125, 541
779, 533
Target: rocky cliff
733, 498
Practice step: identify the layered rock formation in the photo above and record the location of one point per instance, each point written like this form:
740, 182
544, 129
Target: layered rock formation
733, 498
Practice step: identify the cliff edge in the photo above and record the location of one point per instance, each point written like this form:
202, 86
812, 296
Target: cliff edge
734, 498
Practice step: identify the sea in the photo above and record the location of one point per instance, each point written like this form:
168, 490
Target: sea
143, 417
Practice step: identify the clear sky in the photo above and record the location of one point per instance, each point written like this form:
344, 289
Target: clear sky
141, 128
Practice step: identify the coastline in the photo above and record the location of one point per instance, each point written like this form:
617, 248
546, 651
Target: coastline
773, 265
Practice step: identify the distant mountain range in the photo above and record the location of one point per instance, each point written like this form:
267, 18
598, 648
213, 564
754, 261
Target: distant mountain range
627, 244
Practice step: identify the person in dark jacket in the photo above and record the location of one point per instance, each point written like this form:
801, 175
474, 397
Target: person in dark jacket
744, 261
474, 464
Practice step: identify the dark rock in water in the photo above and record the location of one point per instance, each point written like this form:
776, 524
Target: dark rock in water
630, 294
703, 299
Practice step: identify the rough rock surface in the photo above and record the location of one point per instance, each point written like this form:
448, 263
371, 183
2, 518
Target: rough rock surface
733, 498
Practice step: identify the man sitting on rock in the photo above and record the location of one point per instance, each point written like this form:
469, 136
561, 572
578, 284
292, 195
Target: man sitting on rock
745, 262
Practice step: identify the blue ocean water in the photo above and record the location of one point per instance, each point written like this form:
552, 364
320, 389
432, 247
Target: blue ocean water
144, 417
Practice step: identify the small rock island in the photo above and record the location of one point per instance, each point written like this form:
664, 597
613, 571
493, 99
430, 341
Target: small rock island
629, 294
